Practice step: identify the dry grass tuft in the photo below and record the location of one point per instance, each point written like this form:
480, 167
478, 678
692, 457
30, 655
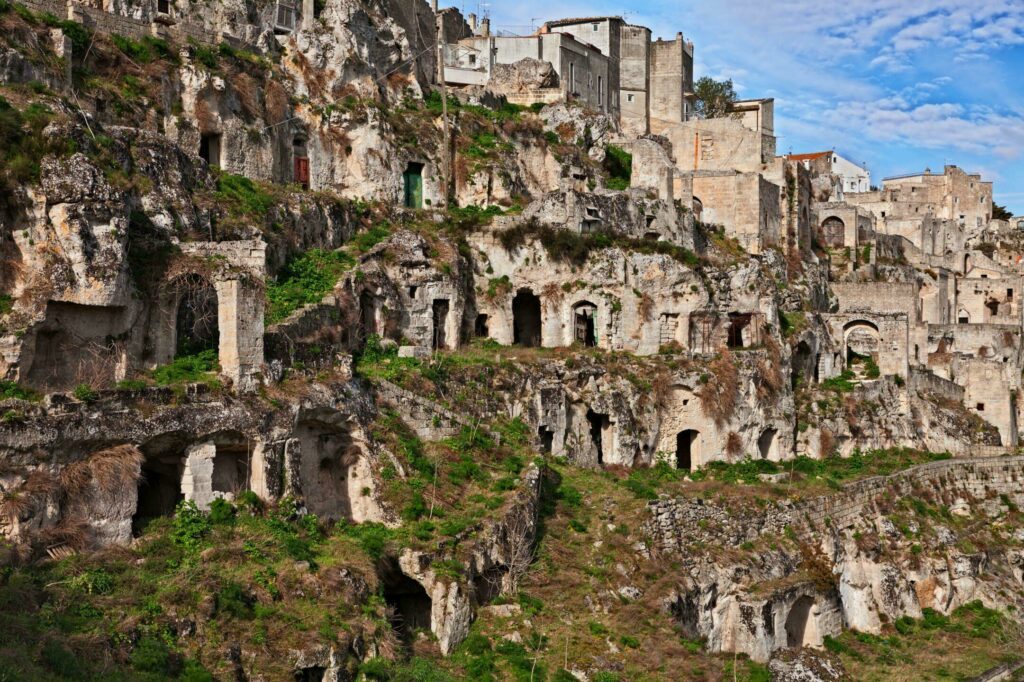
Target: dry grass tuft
117, 467
278, 105
248, 95
720, 391
15, 506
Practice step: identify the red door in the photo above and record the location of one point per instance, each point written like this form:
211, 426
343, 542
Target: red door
302, 172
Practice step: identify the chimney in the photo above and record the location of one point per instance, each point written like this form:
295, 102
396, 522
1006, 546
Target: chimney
435, 6
485, 28
679, 36
472, 22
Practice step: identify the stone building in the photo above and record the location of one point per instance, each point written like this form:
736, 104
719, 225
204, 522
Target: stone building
611, 66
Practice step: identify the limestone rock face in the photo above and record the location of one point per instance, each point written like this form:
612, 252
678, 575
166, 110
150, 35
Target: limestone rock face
522, 76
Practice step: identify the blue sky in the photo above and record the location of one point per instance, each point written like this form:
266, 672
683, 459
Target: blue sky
898, 84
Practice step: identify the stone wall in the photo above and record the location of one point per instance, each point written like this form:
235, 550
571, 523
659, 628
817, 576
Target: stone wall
745, 204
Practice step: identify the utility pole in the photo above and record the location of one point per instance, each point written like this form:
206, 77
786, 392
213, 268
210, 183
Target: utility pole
445, 165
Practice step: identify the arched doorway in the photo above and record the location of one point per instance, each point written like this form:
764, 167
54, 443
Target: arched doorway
963, 317
409, 605
526, 319
797, 622
833, 230
583, 319
196, 317
600, 425
862, 343
368, 313
698, 209
687, 448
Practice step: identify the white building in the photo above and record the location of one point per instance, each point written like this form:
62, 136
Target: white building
852, 178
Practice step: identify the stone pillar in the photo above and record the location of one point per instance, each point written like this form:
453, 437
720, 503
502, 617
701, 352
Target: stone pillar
240, 320
197, 480
308, 14
485, 28
62, 46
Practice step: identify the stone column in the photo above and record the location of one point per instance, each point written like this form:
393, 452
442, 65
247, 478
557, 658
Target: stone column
240, 320
308, 12
197, 479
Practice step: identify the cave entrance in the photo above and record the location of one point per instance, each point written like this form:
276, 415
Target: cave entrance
480, 327
159, 490
599, 427
196, 319
584, 331
163, 6
209, 149
526, 319
797, 622
326, 466
314, 673
368, 314
802, 359
440, 311
993, 307
412, 180
685, 448
408, 603
766, 443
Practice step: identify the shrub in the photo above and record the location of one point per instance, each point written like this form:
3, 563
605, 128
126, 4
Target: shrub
10, 389
719, 393
232, 599
190, 525
222, 511
151, 655
85, 393
619, 165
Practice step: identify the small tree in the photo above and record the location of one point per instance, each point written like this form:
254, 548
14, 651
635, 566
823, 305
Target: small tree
1000, 212
713, 99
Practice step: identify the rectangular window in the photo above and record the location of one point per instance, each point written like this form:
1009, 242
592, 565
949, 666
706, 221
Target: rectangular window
594, 27
981, 407
629, 98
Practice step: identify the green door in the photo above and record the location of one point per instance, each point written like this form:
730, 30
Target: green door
413, 178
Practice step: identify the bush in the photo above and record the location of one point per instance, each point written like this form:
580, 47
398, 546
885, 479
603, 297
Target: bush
85, 393
11, 390
190, 525
151, 655
222, 511
619, 165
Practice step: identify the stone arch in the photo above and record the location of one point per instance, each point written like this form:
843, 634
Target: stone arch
526, 319
698, 208
584, 324
861, 339
834, 231
687, 449
195, 316
766, 443
799, 623
963, 316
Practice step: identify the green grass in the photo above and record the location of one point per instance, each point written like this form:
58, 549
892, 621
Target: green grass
570, 247
188, 369
243, 195
10, 389
305, 279
144, 51
843, 383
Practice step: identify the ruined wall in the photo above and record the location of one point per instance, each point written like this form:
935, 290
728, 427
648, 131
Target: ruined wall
745, 204
718, 144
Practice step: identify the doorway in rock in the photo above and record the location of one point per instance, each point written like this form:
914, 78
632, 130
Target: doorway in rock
159, 490
408, 603
526, 319
547, 439
796, 622
209, 149
196, 318
481, 327
314, 673
301, 171
685, 448
599, 424
584, 331
440, 314
413, 185
766, 443
367, 314
738, 324
231, 468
